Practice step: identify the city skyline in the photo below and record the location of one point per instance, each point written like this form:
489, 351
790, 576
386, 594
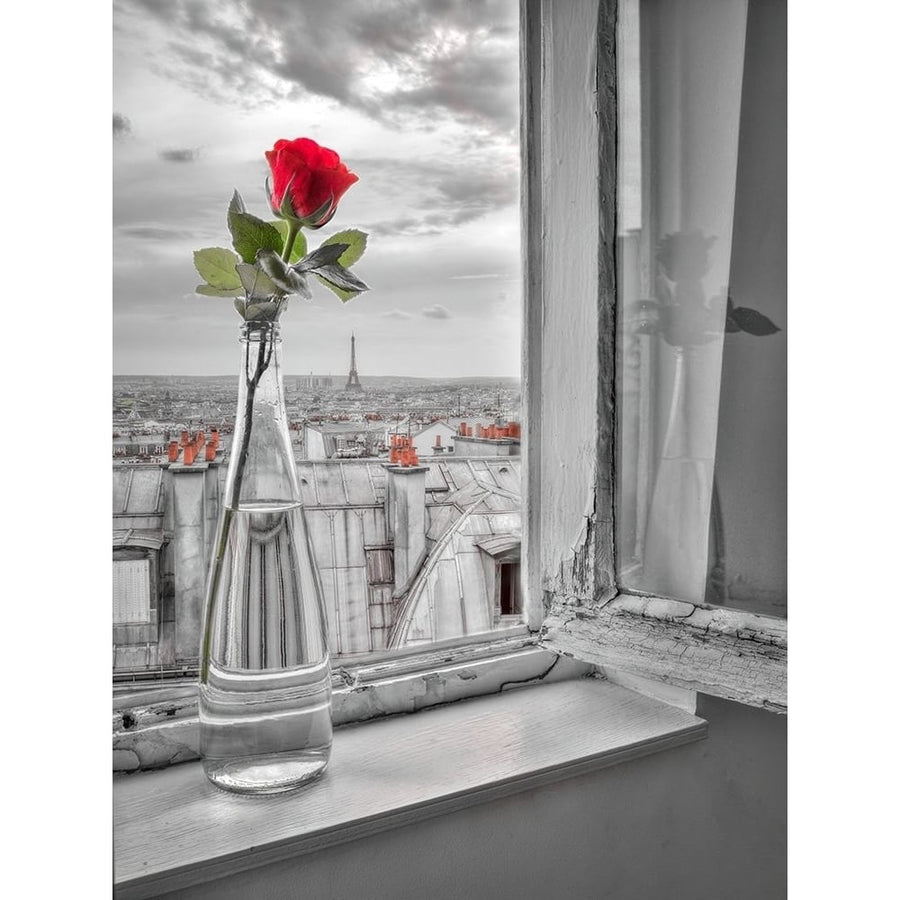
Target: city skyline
422, 107
338, 373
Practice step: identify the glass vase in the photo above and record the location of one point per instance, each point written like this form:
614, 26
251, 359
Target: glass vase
265, 675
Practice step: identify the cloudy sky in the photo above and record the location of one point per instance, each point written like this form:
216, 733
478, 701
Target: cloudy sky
420, 99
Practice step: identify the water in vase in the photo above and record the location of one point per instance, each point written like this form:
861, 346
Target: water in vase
265, 685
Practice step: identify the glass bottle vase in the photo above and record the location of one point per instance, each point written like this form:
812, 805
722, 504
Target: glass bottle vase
265, 676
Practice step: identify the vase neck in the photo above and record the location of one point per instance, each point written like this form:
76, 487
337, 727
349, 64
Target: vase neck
261, 470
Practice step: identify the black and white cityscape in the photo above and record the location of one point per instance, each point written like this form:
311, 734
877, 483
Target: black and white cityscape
149, 410
411, 491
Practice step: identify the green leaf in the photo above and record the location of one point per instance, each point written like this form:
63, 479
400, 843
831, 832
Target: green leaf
249, 233
261, 310
286, 278
237, 203
356, 245
256, 283
341, 294
209, 291
321, 256
216, 265
341, 278
299, 250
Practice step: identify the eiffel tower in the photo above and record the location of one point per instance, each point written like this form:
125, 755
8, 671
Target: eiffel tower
353, 378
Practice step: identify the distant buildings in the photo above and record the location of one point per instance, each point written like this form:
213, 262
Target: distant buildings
473, 436
343, 439
406, 555
146, 446
313, 383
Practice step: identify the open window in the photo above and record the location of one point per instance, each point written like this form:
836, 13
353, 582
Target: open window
510, 591
685, 115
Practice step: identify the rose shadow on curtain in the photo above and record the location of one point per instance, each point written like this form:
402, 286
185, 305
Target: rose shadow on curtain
684, 122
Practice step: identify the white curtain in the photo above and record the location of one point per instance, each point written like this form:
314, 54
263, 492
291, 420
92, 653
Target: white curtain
681, 69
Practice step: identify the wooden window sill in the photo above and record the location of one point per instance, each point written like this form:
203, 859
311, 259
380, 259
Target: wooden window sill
173, 829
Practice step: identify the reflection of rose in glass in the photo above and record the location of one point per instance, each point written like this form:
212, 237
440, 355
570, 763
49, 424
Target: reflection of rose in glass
684, 529
682, 315
684, 256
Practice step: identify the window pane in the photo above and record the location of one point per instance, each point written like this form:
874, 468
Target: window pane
421, 102
131, 591
702, 369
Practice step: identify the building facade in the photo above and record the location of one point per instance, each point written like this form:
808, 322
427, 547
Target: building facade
406, 555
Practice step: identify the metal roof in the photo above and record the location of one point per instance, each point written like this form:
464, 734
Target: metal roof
467, 500
501, 546
137, 490
150, 538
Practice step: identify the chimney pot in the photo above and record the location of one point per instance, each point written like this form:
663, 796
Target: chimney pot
406, 503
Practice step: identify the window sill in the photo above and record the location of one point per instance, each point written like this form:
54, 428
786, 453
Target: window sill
174, 830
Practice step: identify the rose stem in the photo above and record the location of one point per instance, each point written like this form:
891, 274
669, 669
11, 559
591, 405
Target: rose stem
264, 357
262, 363
293, 231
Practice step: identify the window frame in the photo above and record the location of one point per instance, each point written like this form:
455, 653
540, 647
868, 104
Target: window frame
570, 195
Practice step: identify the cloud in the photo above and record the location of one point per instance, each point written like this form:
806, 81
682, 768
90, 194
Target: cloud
477, 277
390, 59
121, 126
396, 314
444, 194
186, 154
436, 312
155, 232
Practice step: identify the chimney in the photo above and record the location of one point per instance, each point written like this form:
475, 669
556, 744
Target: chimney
437, 449
173, 451
210, 451
406, 517
187, 514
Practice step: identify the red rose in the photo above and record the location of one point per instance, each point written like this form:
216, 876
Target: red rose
314, 177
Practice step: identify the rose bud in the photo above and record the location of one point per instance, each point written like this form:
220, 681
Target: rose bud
307, 181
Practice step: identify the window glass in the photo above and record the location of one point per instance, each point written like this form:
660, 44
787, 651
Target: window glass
702, 294
421, 102
131, 591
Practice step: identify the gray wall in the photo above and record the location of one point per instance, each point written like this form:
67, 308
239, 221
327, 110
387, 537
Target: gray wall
702, 822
